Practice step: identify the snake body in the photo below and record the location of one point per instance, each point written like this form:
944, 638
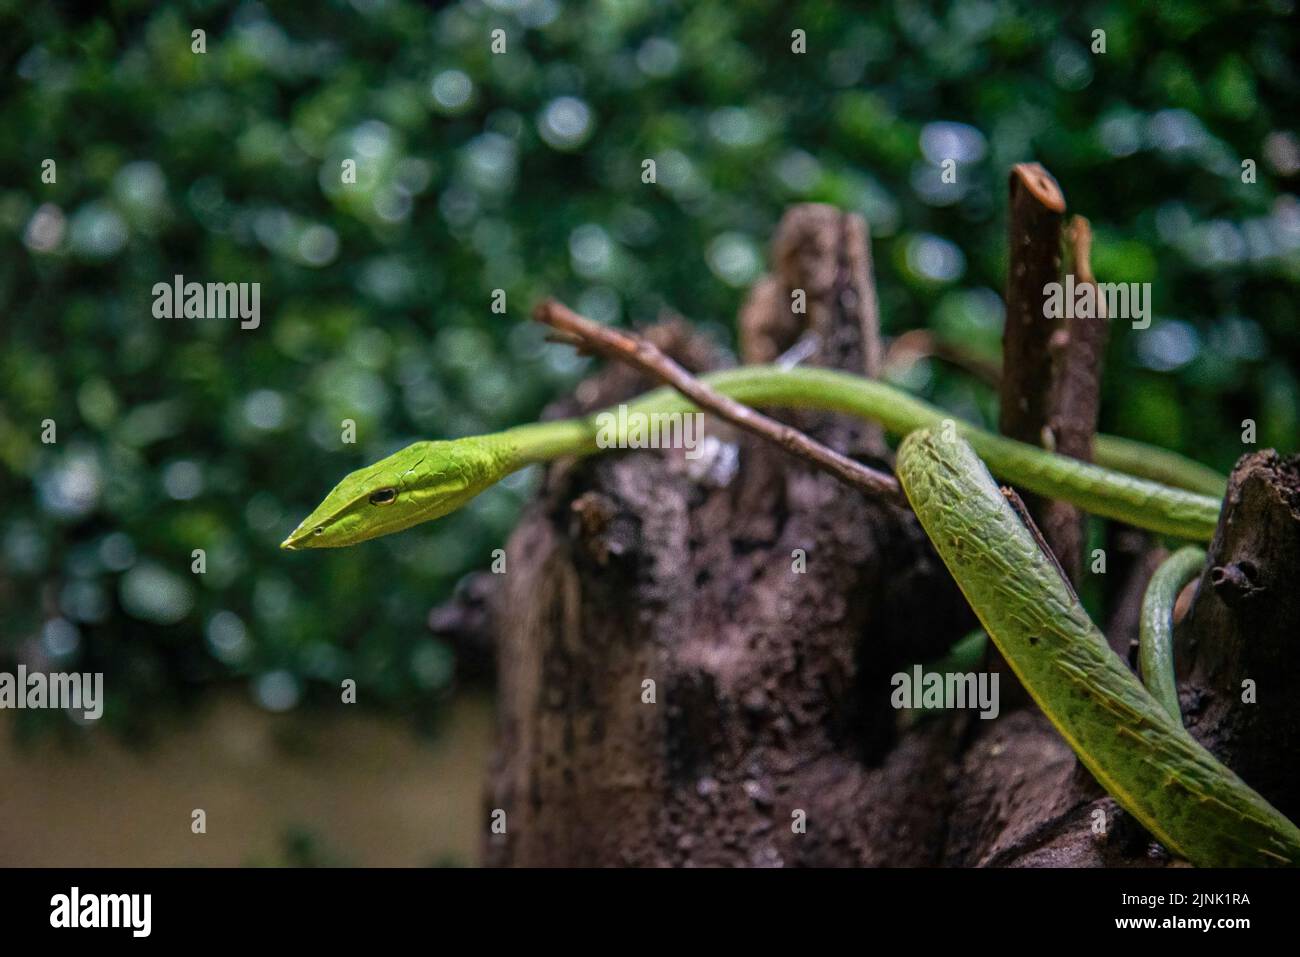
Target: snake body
1136, 749
1138, 752
464, 467
1156, 638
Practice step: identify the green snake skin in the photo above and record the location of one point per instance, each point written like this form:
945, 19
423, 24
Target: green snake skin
1136, 748
1138, 752
432, 478
1156, 630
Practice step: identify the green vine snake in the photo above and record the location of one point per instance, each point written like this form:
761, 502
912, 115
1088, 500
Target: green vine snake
1132, 743
1156, 642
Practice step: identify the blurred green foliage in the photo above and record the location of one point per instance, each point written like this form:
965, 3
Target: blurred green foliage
522, 171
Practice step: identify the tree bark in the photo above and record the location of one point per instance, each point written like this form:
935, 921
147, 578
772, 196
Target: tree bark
768, 608
767, 737
1025, 800
1077, 347
1034, 247
1035, 208
1239, 641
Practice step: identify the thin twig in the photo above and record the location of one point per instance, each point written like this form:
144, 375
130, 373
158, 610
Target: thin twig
1018, 506
645, 356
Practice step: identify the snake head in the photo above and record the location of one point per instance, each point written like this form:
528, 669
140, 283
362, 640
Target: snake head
421, 482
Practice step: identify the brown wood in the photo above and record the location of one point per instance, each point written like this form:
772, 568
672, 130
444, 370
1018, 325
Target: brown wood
1035, 208
1244, 625
1034, 250
771, 685
825, 253
643, 355
1078, 348
1023, 800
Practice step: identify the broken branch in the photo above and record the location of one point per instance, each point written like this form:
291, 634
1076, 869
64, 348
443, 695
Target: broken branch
591, 336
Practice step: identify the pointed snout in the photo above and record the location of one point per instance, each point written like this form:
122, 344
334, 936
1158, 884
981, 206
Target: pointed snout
303, 535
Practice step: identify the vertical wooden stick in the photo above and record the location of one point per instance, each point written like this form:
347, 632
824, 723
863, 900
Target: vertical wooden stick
1077, 350
1034, 238
1034, 250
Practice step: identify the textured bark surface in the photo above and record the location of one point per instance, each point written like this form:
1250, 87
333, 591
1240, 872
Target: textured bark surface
772, 687
1244, 626
771, 684
1034, 249
1035, 207
1078, 347
824, 252
1025, 801
821, 254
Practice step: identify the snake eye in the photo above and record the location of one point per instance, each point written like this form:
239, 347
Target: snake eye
385, 496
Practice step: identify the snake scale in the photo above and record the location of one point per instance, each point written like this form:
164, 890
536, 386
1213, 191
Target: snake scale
1134, 744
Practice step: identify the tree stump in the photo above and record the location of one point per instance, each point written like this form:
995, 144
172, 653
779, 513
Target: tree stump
769, 740
693, 663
